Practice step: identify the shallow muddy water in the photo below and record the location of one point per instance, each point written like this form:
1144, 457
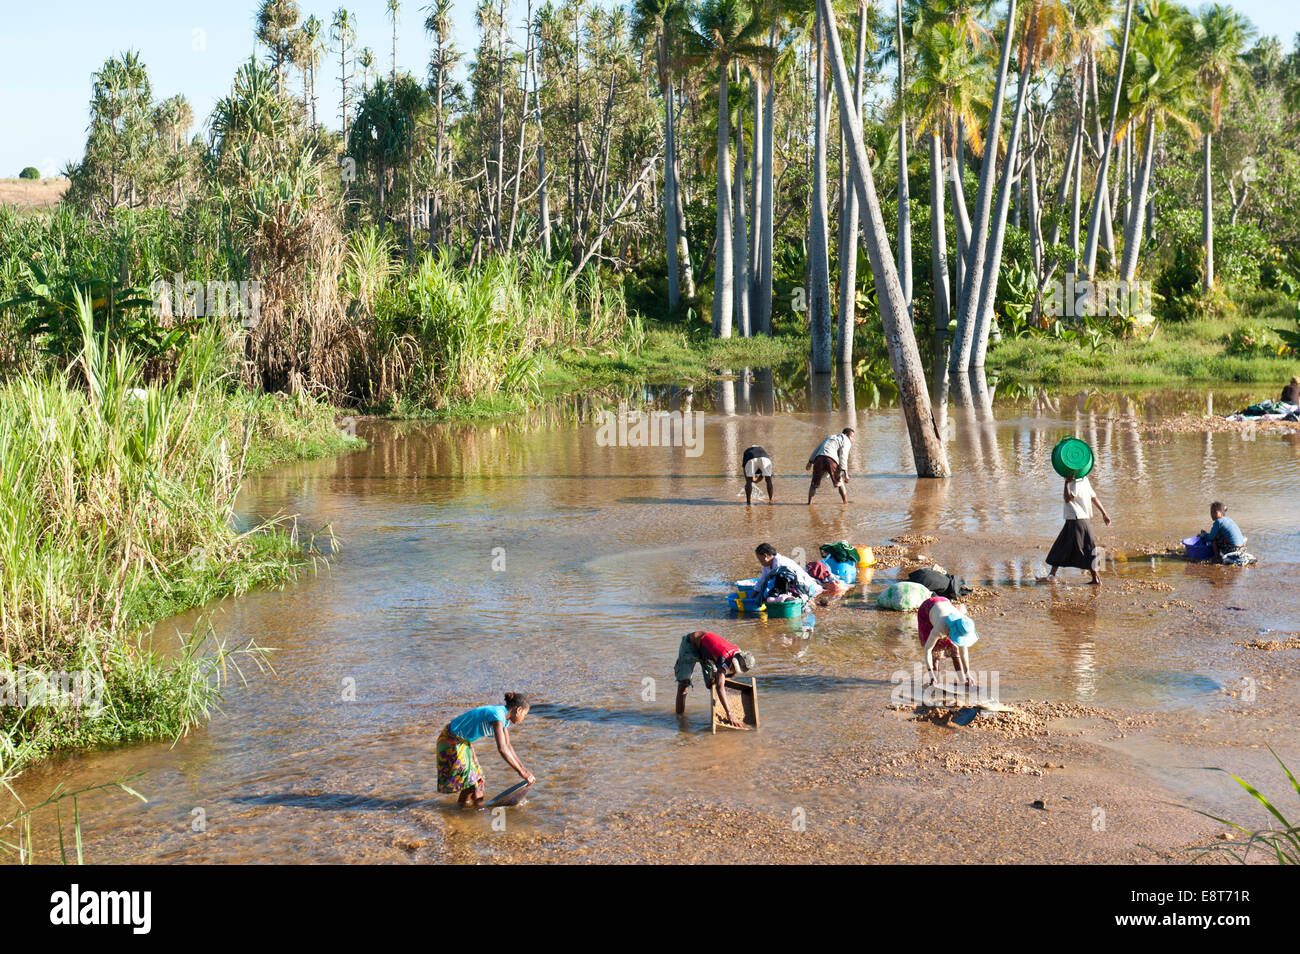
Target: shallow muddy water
527, 556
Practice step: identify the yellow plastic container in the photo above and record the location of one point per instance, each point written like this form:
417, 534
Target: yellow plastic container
865, 556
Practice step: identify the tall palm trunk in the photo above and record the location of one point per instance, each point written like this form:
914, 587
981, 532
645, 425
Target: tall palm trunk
765, 237
1101, 193
670, 190
685, 271
543, 199
939, 273
928, 452
755, 201
819, 291
904, 197
1067, 176
961, 218
740, 256
1207, 220
993, 261
722, 272
1138, 211
1107, 227
969, 296
849, 209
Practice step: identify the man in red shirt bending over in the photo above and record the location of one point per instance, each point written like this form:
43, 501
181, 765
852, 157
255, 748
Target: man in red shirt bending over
718, 659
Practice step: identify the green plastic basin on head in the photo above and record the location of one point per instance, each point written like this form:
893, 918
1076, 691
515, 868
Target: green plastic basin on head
1072, 458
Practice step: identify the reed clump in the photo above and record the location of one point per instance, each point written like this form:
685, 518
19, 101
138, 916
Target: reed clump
116, 504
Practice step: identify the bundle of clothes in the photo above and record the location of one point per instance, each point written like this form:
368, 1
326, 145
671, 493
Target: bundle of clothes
1268, 411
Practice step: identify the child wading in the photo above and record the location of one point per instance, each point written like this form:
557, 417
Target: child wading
1074, 545
458, 768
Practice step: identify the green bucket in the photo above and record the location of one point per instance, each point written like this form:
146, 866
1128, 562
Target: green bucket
1072, 458
787, 609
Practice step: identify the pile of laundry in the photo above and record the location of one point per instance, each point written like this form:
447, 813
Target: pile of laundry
1268, 411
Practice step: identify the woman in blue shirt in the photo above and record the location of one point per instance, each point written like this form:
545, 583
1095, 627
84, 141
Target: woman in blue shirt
458, 768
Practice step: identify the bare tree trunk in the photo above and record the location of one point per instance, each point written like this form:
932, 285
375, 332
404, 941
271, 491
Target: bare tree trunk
755, 197
1101, 192
722, 273
1133, 228
939, 273
969, 298
765, 238
904, 196
993, 261
543, 199
849, 210
928, 452
670, 194
740, 259
1207, 220
819, 292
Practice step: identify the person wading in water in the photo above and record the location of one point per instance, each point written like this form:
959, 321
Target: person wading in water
458, 768
831, 458
756, 465
1075, 545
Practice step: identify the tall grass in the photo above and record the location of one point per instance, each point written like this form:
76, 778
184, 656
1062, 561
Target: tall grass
1281, 843
116, 499
445, 335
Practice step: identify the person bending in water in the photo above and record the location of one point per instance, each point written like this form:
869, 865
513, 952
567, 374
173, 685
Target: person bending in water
1074, 545
756, 465
945, 630
718, 659
771, 561
831, 459
1225, 536
458, 768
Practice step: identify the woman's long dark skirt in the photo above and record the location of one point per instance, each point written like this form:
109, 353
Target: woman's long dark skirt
1074, 546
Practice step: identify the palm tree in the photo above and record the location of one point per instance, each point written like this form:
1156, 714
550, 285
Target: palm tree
662, 23
928, 453
1216, 42
343, 31
437, 24
394, 7
313, 31
276, 20
726, 32
1161, 92
366, 60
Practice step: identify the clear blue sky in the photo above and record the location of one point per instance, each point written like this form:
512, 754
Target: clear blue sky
48, 51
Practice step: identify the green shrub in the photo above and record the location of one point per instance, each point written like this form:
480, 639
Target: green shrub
31, 172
